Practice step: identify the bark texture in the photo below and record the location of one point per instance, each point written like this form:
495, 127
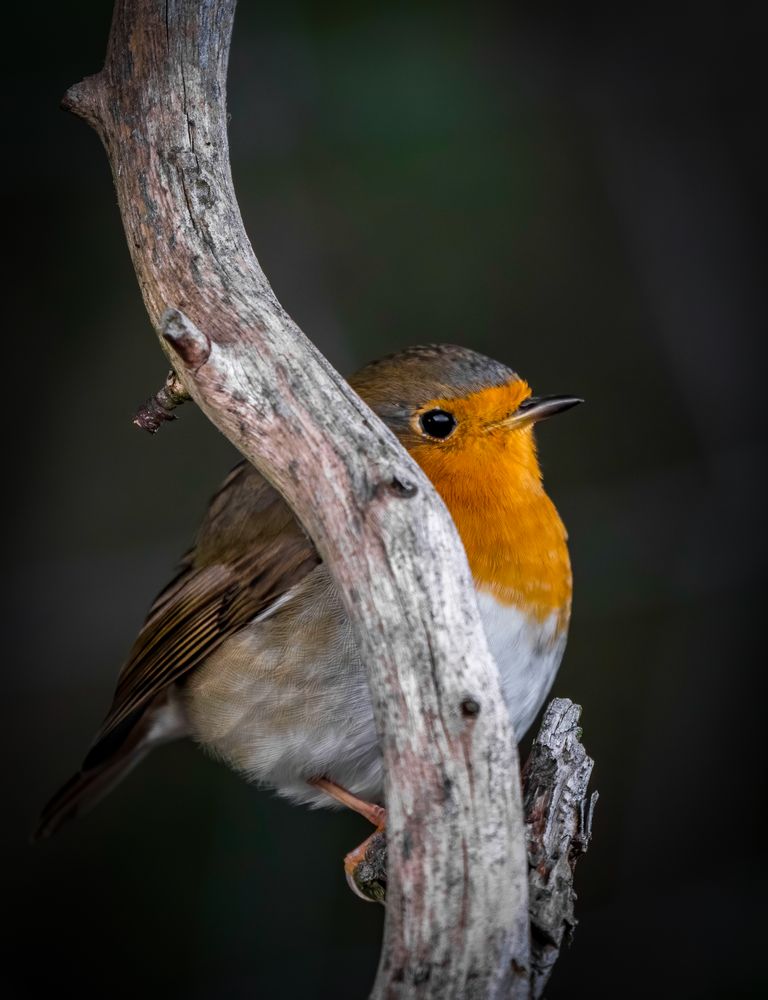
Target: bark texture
558, 826
159, 408
558, 823
455, 814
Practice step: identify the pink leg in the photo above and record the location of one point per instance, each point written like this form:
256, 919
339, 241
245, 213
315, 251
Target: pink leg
373, 813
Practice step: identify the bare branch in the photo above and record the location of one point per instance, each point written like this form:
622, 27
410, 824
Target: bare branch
558, 823
453, 795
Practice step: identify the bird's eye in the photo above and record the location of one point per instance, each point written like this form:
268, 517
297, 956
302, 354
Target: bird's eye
437, 423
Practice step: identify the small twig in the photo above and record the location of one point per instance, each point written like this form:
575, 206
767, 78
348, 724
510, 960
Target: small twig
159, 408
558, 824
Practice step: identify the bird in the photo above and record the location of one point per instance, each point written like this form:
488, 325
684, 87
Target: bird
249, 650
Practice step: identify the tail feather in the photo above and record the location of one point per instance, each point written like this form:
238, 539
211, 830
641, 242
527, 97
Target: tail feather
83, 791
110, 760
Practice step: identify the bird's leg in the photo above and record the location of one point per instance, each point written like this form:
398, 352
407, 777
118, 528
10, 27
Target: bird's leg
373, 813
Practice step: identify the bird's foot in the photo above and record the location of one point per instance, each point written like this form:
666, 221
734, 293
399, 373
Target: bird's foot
365, 866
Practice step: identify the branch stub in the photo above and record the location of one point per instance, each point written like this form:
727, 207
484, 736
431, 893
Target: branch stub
190, 343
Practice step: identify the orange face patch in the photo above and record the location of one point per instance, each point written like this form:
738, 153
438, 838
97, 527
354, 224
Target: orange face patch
490, 481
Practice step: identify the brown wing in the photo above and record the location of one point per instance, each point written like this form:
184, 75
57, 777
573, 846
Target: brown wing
250, 550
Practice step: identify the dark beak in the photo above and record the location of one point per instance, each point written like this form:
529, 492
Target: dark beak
538, 408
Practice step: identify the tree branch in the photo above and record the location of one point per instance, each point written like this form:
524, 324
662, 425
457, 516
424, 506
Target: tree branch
558, 824
452, 790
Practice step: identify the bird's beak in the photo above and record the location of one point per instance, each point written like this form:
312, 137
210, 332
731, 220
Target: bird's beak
537, 408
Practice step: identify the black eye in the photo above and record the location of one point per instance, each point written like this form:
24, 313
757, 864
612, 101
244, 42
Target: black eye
437, 423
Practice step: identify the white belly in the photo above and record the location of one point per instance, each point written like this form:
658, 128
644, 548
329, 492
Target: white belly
527, 652
282, 714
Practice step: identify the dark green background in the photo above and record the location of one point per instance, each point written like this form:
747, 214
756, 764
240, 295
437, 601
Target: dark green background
579, 193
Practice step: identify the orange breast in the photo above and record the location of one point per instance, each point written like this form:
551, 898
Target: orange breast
513, 536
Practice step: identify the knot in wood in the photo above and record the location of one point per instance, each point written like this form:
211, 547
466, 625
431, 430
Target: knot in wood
403, 487
191, 344
82, 99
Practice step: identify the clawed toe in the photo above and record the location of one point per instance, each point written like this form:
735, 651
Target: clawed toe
362, 866
365, 867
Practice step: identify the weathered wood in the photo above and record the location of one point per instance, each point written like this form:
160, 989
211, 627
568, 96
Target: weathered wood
558, 823
453, 796
159, 408
558, 826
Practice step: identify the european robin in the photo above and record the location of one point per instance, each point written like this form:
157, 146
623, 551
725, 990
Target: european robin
249, 651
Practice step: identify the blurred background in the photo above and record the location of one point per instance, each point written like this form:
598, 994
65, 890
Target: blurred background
579, 193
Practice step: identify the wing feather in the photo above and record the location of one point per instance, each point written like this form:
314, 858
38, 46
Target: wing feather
250, 550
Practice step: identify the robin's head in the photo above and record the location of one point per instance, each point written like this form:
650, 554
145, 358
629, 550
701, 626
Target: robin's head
460, 414
468, 422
